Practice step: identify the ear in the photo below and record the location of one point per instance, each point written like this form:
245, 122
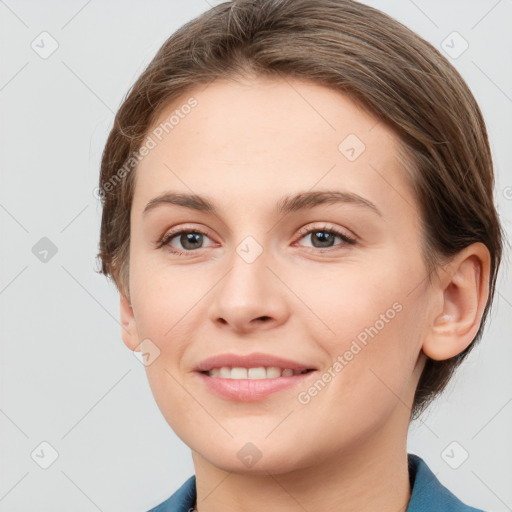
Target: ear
463, 290
129, 331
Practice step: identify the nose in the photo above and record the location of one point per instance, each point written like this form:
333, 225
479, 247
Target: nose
249, 297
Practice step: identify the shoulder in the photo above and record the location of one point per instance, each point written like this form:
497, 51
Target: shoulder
183, 500
428, 494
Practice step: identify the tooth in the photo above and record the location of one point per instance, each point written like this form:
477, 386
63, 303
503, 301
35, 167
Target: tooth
256, 373
273, 372
225, 372
239, 373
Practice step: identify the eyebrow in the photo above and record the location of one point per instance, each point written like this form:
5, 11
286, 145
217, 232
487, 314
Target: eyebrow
287, 204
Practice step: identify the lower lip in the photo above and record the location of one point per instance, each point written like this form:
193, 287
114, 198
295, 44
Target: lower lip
250, 390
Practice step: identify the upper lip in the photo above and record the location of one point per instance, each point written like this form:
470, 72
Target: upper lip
254, 360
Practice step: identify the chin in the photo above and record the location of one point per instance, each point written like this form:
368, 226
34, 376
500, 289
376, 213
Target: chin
249, 459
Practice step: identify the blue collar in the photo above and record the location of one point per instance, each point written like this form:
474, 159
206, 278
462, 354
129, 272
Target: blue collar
427, 493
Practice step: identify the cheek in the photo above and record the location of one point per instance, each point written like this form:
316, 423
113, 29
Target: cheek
168, 313
346, 300
165, 298
372, 325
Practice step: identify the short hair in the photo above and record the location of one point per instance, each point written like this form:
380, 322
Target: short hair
349, 47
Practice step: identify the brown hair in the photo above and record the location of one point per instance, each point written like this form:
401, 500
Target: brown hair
357, 50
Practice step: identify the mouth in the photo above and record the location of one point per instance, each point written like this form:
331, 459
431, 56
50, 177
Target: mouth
253, 373
251, 366
252, 377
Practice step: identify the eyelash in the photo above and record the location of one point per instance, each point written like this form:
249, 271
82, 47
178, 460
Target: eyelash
164, 241
325, 229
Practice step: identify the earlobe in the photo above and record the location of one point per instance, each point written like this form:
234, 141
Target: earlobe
464, 289
129, 331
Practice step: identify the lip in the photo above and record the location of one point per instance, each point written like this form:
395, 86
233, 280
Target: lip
254, 360
250, 390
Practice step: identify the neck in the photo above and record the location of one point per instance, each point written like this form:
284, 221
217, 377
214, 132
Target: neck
370, 476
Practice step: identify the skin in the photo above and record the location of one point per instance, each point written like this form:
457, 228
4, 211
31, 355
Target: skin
245, 145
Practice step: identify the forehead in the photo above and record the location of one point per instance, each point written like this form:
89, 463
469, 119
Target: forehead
260, 136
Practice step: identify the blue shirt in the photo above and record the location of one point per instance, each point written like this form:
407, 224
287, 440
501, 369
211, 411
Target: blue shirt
427, 494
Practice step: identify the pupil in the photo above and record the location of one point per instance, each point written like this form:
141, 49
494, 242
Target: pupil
190, 238
323, 237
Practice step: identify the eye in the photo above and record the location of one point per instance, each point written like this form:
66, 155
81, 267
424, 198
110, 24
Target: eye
324, 237
189, 239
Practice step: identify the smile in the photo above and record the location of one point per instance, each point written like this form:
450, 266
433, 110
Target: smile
256, 373
239, 387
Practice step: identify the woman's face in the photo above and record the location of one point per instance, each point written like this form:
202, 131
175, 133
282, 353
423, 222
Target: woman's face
337, 286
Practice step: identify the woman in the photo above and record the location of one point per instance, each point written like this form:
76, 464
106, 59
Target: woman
299, 216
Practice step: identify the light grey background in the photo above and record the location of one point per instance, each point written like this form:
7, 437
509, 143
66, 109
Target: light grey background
66, 377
